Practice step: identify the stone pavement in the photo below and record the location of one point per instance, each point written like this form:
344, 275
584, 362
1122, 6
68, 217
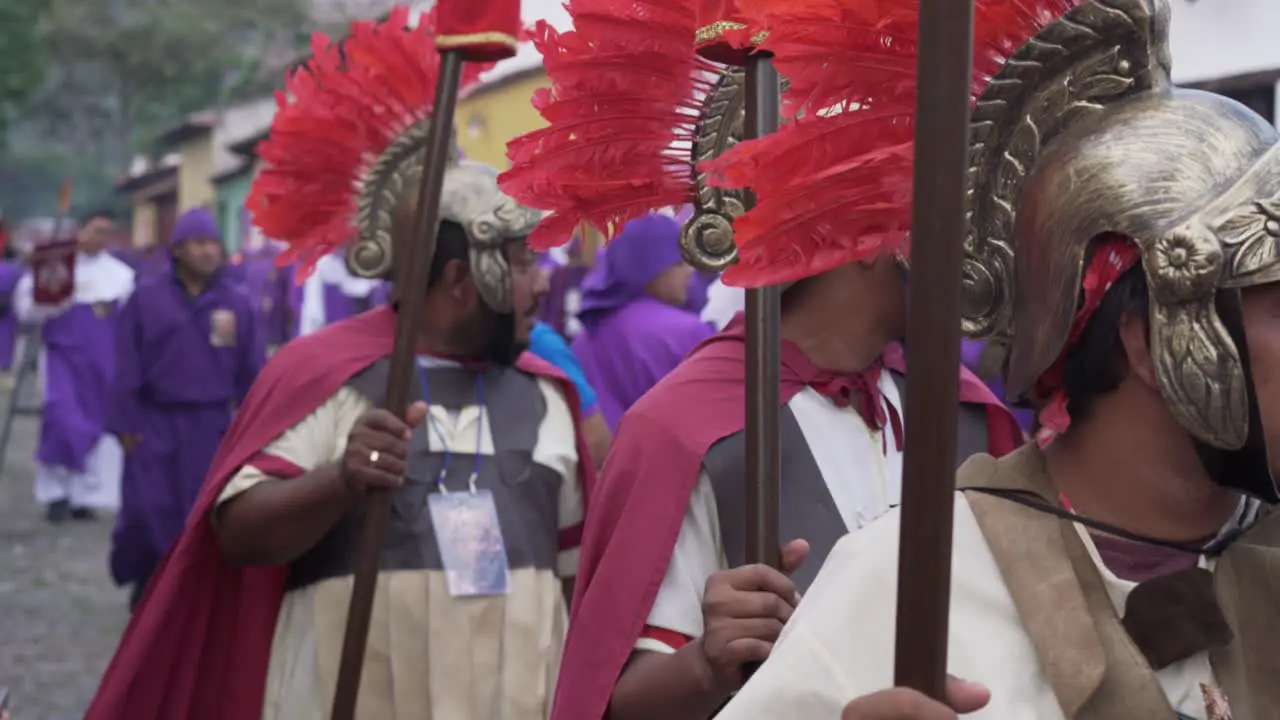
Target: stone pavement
60, 614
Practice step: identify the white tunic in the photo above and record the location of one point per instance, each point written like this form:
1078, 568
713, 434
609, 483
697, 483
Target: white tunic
840, 643
430, 656
861, 467
330, 270
723, 302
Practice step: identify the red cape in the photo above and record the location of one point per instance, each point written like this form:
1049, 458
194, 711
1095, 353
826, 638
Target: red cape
198, 645
644, 494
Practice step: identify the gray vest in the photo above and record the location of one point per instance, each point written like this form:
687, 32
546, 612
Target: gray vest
807, 510
527, 494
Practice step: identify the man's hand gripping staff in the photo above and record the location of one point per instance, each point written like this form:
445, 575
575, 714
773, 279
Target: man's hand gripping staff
378, 449
743, 612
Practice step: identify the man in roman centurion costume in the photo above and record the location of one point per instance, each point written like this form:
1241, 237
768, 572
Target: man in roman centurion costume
1122, 244
667, 611
487, 471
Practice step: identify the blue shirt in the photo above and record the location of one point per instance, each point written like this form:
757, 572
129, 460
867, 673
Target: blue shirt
547, 344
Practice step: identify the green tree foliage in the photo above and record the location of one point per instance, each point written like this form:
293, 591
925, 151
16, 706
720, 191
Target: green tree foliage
133, 67
118, 72
30, 179
22, 54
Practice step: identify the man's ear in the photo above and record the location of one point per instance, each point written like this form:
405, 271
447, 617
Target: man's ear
456, 279
1134, 336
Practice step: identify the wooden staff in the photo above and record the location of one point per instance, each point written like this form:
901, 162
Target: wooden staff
764, 342
933, 337
764, 460
408, 318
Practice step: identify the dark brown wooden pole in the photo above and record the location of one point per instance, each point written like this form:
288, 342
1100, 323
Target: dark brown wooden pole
418, 265
764, 460
933, 342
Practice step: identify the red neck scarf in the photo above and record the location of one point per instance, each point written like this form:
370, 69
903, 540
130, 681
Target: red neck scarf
859, 390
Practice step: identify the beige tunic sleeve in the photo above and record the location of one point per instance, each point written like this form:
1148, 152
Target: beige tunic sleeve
317, 439
557, 448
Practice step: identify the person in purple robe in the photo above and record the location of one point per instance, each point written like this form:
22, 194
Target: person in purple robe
11, 270
295, 302
235, 270
291, 297
152, 260
551, 346
563, 270
379, 296
126, 254
189, 348
78, 463
332, 293
266, 284
701, 280
699, 285
280, 313
635, 327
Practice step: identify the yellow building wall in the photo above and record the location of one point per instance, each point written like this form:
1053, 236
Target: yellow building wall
194, 171
144, 223
490, 117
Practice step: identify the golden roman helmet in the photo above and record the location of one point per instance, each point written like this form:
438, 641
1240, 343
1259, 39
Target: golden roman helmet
372, 162
470, 197
1083, 133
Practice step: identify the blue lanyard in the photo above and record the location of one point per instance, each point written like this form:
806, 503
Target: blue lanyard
448, 454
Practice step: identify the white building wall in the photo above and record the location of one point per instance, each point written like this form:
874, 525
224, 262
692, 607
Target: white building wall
1223, 38
526, 57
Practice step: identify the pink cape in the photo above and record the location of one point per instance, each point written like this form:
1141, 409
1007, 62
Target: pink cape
641, 501
198, 645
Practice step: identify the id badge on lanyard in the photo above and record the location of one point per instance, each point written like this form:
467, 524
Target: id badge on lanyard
465, 522
471, 544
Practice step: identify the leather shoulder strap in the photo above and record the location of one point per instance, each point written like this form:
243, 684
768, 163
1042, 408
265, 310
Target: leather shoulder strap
1094, 668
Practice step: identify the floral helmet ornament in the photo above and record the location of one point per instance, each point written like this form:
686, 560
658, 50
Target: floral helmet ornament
346, 148
1085, 160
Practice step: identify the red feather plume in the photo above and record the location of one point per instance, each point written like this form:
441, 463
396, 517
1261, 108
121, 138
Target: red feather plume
335, 117
834, 185
626, 91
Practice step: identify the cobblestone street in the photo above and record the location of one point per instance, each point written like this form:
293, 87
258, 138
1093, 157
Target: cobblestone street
60, 614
